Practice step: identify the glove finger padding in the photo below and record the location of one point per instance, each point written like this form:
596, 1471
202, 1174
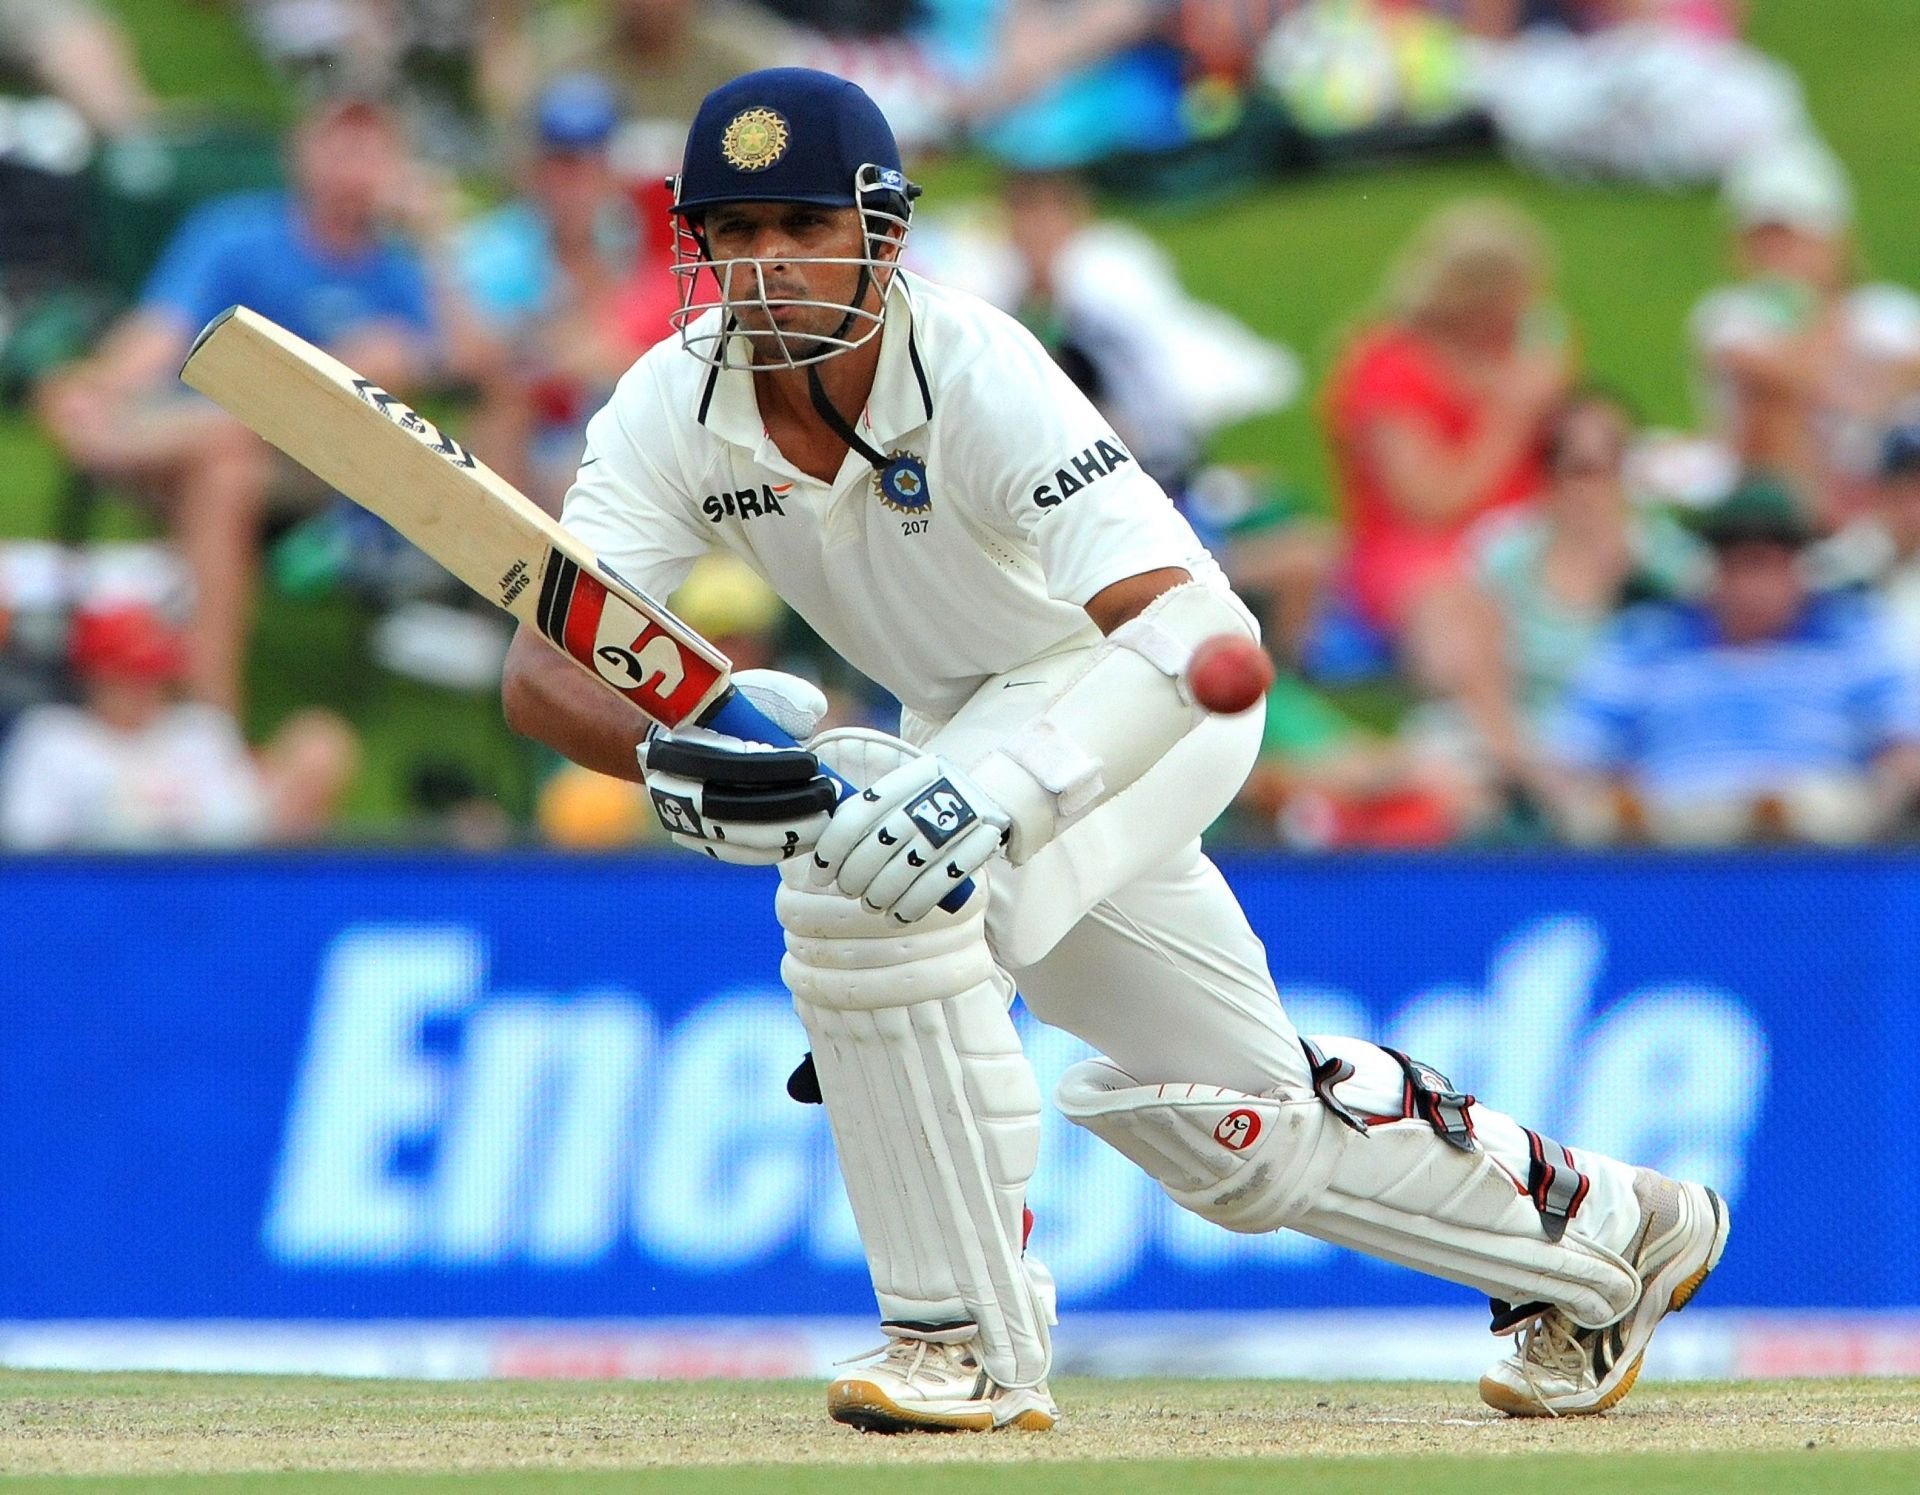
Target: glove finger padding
736, 801
904, 842
742, 853
963, 858
737, 824
890, 840
713, 758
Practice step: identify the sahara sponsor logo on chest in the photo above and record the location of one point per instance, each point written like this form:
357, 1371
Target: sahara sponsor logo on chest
746, 503
1077, 472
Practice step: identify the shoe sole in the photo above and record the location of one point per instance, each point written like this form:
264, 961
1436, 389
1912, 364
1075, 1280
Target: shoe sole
863, 1405
1503, 1398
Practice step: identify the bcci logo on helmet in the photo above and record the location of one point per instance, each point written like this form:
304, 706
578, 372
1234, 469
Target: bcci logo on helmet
754, 140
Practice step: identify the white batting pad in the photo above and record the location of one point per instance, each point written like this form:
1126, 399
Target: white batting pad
937, 1121
933, 1106
1395, 1191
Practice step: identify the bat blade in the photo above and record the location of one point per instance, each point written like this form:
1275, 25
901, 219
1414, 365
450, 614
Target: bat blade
371, 446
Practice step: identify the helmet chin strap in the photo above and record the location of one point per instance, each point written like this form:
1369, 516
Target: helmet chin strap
817, 391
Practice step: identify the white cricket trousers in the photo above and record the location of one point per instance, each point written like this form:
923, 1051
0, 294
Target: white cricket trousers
1124, 934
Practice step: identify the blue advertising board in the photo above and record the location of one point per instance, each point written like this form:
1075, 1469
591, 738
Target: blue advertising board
371, 1087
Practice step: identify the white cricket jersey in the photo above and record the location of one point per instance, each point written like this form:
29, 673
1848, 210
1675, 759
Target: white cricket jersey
1008, 503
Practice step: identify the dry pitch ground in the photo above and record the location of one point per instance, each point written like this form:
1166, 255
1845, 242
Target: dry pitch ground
233, 1434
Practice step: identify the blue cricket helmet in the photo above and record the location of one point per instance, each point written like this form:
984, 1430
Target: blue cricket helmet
791, 134
786, 135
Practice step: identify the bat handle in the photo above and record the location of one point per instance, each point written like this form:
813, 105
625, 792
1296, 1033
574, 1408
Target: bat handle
738, 717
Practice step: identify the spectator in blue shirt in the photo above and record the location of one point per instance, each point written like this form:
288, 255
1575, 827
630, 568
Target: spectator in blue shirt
1767, 709
559, 277
319, 260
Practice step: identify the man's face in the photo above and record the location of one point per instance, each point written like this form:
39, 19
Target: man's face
1758, 589
1898, 502
349, 167
1492, 320
1783, 251
1590, 449
571, 185
768, 258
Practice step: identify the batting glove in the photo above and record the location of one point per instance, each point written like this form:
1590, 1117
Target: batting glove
901, 845
740, 801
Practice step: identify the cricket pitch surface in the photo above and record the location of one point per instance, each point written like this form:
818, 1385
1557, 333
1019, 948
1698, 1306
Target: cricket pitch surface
72, 1433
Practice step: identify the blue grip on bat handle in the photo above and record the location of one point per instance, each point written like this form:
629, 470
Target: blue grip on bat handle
738, 717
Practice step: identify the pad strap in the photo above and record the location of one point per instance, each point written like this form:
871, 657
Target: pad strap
1431, 1097
1326, 1073
1555, 1184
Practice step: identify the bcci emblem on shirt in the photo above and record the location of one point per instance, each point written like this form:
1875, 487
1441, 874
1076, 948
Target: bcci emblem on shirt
902, 484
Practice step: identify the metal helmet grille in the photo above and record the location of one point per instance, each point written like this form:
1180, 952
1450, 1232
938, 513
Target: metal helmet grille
735, 285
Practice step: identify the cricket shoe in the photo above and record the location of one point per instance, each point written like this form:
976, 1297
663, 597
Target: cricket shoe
1563, 1370
927, 1386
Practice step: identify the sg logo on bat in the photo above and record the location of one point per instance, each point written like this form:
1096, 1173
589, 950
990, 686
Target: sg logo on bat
624, 647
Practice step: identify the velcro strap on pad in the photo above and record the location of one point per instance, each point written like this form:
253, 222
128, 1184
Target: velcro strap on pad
1058, 764
1432, 1098
1167, 651
1326, 1073
1555, 1184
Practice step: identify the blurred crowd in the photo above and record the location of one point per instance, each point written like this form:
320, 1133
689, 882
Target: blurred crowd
1519, 617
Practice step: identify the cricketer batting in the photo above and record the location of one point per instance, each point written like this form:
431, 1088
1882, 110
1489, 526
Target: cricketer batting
907, 468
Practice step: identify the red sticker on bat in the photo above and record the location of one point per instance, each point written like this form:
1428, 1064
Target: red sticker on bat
631, 651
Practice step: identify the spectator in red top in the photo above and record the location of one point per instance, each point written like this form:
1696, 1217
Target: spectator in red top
1438, 415
134, 766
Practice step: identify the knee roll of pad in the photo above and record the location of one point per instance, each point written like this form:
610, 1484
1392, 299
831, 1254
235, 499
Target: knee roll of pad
1248, 1162
842, 955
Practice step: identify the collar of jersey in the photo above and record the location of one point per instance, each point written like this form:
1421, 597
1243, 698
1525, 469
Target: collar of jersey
902, 399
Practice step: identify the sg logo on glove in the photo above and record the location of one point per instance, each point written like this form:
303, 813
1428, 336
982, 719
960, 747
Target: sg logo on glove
900, 844
677, 813
940, 813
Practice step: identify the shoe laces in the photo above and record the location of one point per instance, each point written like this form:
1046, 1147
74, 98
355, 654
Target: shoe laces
1549, 1345
908, 1355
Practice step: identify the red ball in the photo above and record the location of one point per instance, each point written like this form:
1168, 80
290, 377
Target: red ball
1229, 673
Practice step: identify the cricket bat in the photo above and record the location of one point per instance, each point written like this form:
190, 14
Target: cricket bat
393, 462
